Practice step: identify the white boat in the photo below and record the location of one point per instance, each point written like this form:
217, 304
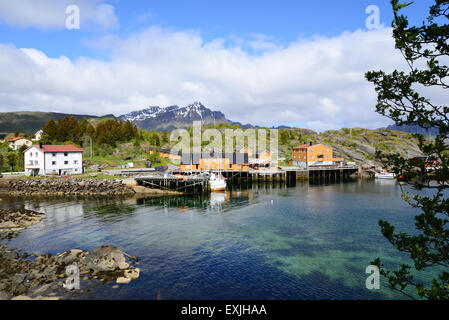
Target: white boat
217, 182
385, 175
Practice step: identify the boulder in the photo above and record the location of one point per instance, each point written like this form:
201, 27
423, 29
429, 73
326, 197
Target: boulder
106, 258
132, 274
123, 280
72, 256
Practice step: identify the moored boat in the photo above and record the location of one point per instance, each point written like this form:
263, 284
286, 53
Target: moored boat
385, 175
217, 182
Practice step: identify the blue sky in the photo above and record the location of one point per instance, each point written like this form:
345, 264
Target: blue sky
283, 21
262, 62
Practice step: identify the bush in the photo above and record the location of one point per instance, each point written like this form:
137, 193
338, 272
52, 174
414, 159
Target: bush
381, 146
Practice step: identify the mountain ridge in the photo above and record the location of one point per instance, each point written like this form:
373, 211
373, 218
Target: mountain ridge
414, 128
172, 117
29, 122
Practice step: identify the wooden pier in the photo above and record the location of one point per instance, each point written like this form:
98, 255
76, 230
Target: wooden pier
185, 184
324, 174
288, 174
192, 182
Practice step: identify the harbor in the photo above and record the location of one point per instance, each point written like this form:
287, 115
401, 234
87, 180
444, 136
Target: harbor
197, 182
240, 238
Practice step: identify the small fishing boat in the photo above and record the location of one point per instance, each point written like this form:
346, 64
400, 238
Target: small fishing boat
385, 175
217, 182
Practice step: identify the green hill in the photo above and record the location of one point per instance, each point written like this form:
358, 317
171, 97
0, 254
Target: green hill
30, 122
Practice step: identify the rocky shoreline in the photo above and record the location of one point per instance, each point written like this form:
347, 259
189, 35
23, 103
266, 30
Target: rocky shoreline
66, 187
12, 221
26, 276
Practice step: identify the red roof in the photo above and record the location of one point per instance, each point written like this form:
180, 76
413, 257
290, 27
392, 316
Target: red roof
304, 146
59, 148
15, 139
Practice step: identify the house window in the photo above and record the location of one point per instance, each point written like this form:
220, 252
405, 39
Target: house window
312, 157
65, 154
35, 162
53, 163
54, 154
327, 157
36, 155
327, 150
66, 162
75, 162
31, 154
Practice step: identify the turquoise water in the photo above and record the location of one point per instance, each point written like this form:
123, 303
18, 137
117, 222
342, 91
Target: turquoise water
303, 242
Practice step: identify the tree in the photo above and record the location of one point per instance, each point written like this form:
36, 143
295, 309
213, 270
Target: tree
2, 162
68, 129
49, 132
12, 160
128, 130
165, 137
22, 149
284, 136
401, 97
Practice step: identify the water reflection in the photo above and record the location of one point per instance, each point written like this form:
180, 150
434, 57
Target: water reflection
250, 242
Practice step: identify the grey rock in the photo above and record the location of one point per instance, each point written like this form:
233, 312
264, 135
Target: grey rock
106, 259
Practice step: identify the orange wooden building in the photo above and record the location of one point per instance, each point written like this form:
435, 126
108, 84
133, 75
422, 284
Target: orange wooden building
167, 154
210, 161
308, 155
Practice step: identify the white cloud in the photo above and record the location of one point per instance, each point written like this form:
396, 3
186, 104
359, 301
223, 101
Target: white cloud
51, 14
318, 83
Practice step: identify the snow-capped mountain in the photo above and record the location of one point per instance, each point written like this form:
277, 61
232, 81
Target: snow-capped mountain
168, 118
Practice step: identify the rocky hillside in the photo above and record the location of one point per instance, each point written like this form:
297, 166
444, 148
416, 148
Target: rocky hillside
355, 145
360, 145
415, 129
169, 118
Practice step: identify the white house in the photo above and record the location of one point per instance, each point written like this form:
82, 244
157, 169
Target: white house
38, 135
18, 142
53, 159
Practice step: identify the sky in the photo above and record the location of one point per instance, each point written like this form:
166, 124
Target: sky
285, 62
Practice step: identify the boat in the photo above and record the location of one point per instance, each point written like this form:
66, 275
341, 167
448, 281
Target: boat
385, 175
217, 182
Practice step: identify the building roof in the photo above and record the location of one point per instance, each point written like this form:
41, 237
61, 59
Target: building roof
16, 139
234, 158
307, 146
58, 148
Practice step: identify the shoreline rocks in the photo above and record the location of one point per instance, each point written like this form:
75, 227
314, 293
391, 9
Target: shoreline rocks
140, 190
47, 276
26, 276
67, 187
12, 221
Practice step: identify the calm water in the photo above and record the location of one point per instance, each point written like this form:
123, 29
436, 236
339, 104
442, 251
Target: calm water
305, 242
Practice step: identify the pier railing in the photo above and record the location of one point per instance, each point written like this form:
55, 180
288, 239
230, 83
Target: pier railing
190, 184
